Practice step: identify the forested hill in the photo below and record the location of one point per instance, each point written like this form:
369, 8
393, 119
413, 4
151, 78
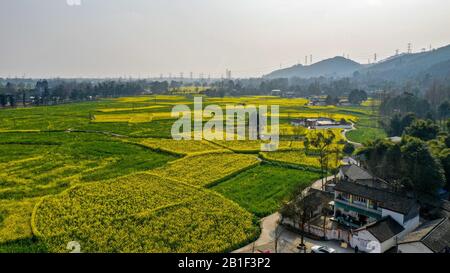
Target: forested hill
334, 67
435, 63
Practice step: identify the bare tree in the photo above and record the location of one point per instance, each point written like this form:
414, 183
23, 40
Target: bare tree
300, 211
323, 143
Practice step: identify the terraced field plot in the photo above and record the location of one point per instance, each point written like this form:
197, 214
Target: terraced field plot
207, 169
180, 147
299, 158
142, 213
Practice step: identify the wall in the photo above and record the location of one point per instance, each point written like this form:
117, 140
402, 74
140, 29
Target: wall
395, 215
410, 225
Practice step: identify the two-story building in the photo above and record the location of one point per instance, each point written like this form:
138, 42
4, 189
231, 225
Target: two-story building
372, 210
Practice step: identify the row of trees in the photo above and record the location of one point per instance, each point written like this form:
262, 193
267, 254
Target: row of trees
53, 92
420, 162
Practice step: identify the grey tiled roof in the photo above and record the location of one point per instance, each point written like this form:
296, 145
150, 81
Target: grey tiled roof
439, 238
434, 234
386, 199
354, 172
383, 229
317, 197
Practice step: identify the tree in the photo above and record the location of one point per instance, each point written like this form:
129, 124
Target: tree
300, 211
397, 124
423, 129
323, 142
444, 111
409, 164
403, 104
376, 159
444, 158
357, 96
12, 101
420, 170
3, 100
348, 149
330, 100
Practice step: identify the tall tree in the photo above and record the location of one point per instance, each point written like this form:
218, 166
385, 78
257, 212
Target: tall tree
420, 170
423, 129
322, 142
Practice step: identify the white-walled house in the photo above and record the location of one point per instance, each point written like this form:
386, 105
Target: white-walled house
376, 215
377, 237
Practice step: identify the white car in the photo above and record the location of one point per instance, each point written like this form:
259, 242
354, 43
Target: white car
322, 249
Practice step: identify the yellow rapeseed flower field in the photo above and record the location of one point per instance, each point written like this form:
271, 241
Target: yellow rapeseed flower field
206, 169
142, 213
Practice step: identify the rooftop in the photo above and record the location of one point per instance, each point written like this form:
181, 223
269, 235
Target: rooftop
386, 199
354, 172
434, 234
384, 229
358, 181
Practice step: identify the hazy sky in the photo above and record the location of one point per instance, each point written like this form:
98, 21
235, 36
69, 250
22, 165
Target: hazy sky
43, 38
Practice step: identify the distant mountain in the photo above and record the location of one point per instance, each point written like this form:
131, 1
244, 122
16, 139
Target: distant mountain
434, 64
408, 66
334, 67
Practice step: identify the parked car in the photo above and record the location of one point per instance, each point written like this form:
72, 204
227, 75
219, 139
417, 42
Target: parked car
322, 249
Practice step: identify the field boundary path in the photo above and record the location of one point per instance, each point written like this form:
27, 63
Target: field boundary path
344, 134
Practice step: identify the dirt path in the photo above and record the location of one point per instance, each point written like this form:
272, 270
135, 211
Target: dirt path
344, 134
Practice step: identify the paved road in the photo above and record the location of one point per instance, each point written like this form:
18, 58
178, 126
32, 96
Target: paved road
287, 242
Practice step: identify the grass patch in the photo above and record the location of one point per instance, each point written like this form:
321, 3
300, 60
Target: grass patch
263, 189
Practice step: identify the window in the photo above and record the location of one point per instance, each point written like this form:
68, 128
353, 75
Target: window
360, 200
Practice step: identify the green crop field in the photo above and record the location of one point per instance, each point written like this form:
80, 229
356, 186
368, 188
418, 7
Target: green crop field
263, 189
98, 172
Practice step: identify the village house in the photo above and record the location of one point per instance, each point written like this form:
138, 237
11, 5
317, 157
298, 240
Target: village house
367, 214
276, 92
321, 123
372, 210
317, 101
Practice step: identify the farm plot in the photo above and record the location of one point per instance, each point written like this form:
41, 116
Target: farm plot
109, 110
263, 189
299, 158
207, 169
38, 164
142, 213
180, 147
